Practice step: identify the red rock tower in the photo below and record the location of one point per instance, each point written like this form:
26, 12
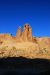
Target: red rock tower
26, 29
26, 35
30, 34
19, 32
27, 32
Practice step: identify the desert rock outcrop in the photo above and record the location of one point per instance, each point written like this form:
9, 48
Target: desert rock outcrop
24, 44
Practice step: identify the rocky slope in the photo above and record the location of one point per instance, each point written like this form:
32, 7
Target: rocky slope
24, 44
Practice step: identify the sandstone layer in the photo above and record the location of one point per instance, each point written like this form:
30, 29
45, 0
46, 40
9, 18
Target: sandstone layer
24, 44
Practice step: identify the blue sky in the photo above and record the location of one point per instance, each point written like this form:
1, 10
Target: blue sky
15, 13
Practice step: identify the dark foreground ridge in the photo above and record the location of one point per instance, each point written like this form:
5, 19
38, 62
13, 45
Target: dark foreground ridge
24, 66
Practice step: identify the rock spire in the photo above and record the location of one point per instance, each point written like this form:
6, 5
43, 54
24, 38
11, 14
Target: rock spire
26, 35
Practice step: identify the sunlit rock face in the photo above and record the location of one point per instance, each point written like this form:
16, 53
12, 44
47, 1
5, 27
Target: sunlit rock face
26, 35
24, 44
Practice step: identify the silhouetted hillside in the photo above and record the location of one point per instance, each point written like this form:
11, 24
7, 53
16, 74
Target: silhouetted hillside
24, 66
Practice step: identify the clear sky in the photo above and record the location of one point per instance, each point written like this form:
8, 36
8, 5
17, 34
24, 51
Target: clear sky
15, 13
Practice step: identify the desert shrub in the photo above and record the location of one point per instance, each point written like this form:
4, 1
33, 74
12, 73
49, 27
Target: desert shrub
13, 48
40, 52
45, 50
4, 48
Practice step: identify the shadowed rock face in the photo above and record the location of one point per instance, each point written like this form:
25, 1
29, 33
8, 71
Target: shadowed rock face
24, 66
24, 44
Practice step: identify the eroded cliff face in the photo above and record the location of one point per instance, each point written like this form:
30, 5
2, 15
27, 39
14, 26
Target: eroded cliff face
24, 44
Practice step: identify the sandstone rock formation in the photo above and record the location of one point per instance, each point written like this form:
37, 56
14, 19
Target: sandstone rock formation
19, 32
24, 44
26, 35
